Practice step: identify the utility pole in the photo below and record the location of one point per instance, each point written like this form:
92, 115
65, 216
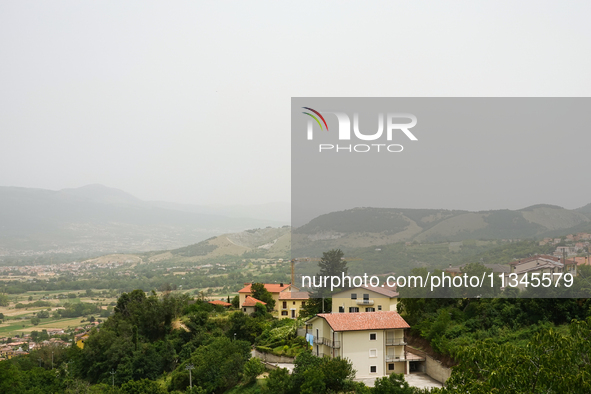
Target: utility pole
190, 367
113, 378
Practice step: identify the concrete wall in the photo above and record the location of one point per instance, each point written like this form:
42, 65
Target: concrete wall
437, 371
271, 358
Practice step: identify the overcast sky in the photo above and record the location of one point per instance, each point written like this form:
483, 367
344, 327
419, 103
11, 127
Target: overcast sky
190, 101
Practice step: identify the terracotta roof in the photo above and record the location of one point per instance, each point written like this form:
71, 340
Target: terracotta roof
294, 295
271, 287
218, 302
383, 320
251, 301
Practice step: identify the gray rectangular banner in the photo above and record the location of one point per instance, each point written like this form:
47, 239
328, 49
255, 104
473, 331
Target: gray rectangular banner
443, 197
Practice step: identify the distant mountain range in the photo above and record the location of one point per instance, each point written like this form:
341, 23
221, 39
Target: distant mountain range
361, 227
97, 218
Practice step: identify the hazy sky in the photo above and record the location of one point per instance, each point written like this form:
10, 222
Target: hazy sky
190, 101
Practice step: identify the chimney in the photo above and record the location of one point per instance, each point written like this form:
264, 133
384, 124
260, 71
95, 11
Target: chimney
280, 284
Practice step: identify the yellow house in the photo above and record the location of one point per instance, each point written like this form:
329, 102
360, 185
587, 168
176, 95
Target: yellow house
373, 342
365, 299
288, 298
80, 340
291, 302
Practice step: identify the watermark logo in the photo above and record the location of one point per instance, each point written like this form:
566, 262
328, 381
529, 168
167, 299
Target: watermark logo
390, 123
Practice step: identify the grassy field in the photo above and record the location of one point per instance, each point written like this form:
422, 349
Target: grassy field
20, 319
13, 327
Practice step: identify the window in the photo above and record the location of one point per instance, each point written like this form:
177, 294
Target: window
284, 304
283, 313
373, 352
353, 296
379, 307
244, 309
342, 309
370, 309
373, 336
303, 303
353, 309
366, 297
373, 369
390, 367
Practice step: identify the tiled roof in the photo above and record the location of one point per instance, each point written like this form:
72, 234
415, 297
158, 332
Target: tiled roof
251, 301
294, 295
383, 320
388, 292
218, 302
271, 287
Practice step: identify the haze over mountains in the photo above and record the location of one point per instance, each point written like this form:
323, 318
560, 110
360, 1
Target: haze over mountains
362, 227
97, 218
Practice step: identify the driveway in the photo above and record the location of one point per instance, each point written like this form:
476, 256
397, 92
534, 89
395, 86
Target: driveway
415, 379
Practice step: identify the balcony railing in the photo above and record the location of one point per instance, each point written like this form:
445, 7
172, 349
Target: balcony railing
364, 302
395, 342
327, 342
392, 358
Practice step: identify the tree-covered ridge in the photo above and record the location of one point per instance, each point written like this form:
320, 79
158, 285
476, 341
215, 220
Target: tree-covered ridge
439, 225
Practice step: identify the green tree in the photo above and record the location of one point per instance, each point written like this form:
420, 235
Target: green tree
279, 382
332, 263
142, 387
236, 302
313, 382
253, 368
260, 293
393, 384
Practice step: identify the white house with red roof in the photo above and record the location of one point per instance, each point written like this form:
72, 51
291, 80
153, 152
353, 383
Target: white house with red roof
374, 342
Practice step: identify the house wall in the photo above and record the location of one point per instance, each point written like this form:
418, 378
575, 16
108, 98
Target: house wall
248, 309
295, 305
321, 329
343, 299
356, 346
